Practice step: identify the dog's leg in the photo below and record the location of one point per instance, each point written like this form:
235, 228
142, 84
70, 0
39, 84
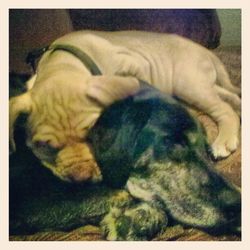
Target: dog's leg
223, 78
107, 89
119, 60
132, 64
229, 97
203, 95
30, 83
139, 221
228, 124
197, 86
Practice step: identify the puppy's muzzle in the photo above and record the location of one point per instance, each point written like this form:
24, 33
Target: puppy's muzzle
75, 163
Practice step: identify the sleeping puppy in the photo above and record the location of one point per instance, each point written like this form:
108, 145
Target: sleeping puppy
65, 99
152, 146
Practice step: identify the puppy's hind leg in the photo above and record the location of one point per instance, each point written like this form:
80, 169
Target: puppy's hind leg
223, 78
228, 125
231, 98
206, 98
197, 86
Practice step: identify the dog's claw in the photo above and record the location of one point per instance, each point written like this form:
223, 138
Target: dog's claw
219, 151
222, 149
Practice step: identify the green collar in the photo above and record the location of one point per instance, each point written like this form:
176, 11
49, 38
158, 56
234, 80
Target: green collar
82, 56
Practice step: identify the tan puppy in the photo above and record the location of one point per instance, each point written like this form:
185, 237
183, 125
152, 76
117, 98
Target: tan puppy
64, 99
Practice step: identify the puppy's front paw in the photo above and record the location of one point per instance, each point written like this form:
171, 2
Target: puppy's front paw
140, 222
131, 65
223, 147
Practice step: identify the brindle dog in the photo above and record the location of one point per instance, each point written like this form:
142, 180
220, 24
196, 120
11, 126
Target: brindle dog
152, 145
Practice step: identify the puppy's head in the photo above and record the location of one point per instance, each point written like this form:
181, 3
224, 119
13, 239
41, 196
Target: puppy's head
60, 110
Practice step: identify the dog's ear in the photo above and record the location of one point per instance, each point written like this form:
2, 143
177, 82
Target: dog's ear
107, 89
17, 105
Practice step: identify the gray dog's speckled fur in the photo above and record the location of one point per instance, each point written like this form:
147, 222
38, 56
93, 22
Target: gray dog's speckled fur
154, 146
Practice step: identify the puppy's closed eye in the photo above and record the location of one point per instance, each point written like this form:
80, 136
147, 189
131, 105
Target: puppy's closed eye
45, 146
44, 150
42, 144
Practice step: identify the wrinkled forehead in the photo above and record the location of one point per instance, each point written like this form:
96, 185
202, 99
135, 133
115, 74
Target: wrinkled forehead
63, 112
67, 93
58, 87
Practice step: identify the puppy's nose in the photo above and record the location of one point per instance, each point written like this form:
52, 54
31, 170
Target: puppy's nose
79, 173
77, 164
84, 172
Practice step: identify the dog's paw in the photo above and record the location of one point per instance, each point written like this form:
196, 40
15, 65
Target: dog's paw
131, 65
223, 147
140, 222
121, 199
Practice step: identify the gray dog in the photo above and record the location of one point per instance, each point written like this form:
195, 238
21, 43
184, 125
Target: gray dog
154, 147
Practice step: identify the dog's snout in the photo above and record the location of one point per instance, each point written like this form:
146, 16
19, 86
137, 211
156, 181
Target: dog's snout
80, 173
231, 202
76, 163
229, 197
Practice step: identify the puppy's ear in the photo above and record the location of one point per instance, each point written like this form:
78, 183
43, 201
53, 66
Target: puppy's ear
17, 105
107, 89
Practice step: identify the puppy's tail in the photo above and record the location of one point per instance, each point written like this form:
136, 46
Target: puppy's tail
223, 78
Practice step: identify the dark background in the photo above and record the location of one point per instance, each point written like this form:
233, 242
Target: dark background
33, 28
